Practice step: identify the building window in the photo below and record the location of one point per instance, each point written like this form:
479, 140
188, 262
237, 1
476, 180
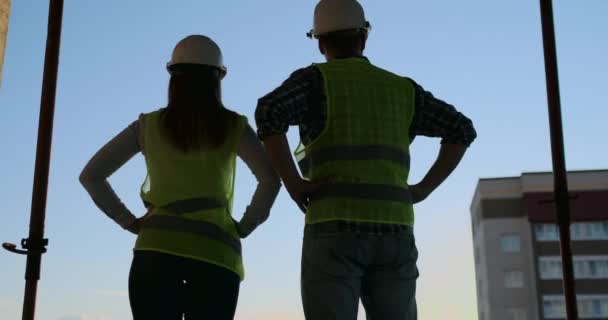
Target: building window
589, 306
585, 267
578, 231
554, 307
590, 231
591, 267
510, 243
593, 306
513, 279
546, 232
550, 268
516, 314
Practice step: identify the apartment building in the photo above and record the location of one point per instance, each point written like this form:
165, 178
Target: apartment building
516, 246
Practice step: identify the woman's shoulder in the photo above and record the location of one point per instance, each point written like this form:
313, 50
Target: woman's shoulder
142, 123
147, 116
237, 123
153, 113
242, 119
238, 120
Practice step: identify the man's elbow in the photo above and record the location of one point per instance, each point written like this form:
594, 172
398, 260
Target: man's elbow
465, 135
469, 133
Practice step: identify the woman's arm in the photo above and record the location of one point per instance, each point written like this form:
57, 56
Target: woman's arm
94, 176
252, 152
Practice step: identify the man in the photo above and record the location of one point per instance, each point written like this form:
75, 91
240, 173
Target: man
356, 122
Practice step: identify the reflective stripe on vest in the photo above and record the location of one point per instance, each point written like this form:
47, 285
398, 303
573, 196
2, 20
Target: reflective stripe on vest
346, 153
192, 205
202, 228
363, 191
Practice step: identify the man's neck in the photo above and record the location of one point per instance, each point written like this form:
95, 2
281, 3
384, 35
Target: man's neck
344, 56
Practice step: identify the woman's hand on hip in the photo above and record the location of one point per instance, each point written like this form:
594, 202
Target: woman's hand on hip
136, 226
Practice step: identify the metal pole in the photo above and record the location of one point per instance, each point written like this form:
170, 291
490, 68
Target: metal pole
35, 244
562, 198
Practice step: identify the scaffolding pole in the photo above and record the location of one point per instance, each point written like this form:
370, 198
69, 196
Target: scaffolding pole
35, 244
562, 199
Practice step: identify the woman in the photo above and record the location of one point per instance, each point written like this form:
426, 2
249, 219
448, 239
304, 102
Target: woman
187, 257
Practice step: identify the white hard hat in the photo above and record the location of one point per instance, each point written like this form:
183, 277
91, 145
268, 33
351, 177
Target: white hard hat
198, 49
338, 15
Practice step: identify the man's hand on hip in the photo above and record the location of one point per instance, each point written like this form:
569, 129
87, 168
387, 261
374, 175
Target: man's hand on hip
300, 191
419, 192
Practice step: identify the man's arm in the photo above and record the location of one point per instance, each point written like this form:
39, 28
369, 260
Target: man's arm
280, 156
447, 160
287, 105
299, 189
435, 118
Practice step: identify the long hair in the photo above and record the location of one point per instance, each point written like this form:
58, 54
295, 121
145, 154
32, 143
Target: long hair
195, 117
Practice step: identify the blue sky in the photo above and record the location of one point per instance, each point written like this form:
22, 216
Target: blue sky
484, 57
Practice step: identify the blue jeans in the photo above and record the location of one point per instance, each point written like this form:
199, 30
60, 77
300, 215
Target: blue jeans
341, 267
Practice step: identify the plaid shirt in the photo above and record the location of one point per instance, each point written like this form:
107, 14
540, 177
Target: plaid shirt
300, 101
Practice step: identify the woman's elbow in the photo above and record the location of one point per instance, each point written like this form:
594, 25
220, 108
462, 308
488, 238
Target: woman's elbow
271, 185
271, 179
84, 178
275, 182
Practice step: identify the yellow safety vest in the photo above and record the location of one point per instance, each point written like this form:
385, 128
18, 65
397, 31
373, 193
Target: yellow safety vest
362, 155
191, 196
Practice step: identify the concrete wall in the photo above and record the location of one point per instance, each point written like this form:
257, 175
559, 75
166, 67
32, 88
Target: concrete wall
4, 14
481, 278
577, 180
497, 262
